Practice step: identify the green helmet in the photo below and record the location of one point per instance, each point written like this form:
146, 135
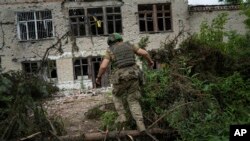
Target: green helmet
113, 38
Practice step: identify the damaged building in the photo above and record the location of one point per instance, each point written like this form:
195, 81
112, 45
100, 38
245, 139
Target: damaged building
72, 34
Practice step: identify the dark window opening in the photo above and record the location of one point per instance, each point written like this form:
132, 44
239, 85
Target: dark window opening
145, 7
52, 71
77, 21
95, 30
30, 67
160, 24
155, 65
142, 25
168, 23
96, 61
114, 20
154, 17
81, 67
95, 15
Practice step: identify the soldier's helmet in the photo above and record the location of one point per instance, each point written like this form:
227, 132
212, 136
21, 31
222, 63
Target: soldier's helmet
113, 38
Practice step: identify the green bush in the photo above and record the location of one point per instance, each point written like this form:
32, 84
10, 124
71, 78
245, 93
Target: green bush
225, 103
204, 87
108, 120
29, 84
21, 112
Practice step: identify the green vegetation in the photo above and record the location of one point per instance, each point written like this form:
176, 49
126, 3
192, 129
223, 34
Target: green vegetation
21, 111
108, 120
204, 86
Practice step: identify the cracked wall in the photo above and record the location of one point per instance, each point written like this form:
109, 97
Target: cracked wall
15, 51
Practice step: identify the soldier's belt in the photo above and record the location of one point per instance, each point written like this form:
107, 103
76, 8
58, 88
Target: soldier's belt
125, 66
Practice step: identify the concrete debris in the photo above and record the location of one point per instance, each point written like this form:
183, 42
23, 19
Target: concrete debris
71, 106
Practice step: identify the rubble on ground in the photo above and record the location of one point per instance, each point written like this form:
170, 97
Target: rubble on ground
71, 106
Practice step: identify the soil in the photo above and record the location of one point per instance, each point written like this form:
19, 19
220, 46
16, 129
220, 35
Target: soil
72, 105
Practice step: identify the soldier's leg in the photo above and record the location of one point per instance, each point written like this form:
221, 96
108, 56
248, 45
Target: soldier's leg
134, 105
117, 99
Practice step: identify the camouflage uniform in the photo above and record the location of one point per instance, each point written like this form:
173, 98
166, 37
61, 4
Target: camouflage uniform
126, 87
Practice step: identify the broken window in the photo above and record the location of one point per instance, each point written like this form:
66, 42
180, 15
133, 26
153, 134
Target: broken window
154, 17
51, 69
95, 21
34, 25
81, 67
30, 67
95, 15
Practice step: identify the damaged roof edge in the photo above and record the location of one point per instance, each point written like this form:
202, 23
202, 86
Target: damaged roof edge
201, 8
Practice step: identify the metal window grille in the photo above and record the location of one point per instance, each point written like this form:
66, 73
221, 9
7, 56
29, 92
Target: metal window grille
34, 25
155, 17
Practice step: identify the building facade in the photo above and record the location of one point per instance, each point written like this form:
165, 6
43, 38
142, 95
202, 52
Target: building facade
72, 34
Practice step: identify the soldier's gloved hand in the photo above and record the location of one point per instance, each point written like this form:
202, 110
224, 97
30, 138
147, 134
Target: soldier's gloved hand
98, 80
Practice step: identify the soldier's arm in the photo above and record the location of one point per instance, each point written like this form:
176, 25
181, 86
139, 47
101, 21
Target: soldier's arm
103, 67
145, 54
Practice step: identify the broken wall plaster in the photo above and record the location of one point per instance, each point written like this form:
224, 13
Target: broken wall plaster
86, 48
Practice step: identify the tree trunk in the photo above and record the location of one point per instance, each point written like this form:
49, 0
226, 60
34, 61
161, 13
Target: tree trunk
111, 135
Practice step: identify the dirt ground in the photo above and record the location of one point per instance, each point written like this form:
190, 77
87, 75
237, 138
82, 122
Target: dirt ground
72, 105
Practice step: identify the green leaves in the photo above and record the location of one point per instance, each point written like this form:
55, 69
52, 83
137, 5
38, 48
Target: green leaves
108, 120
20, 113
214, 33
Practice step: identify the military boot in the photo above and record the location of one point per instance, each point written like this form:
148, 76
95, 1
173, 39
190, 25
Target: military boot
140, 125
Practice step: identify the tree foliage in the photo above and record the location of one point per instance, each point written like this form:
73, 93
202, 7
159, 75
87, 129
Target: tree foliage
21, 112
206, 82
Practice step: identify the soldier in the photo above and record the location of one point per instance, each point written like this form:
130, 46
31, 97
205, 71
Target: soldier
125, 77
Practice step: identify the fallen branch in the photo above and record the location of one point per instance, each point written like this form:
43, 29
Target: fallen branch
111, 135
52, 133
45, 55
30, 136
52, 127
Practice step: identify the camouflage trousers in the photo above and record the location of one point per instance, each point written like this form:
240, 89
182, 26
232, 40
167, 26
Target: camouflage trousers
129, 91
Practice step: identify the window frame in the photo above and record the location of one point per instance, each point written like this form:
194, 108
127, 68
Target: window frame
155, 18
51, 65
45, 22
114, 20
104, 14
30, 67
77, 23
81, 67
